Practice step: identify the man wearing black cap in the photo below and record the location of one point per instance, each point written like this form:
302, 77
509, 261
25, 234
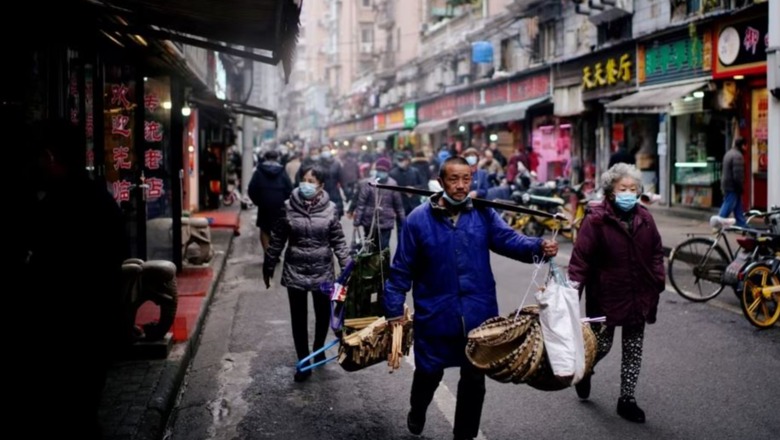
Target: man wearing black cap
406, 175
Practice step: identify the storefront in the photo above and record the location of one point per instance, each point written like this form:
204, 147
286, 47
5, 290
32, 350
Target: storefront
668, 124
575, 119
739, 67
436, 122
606, 76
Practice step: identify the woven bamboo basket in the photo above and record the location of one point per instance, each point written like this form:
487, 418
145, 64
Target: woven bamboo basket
509, 349
544, 379
496, 343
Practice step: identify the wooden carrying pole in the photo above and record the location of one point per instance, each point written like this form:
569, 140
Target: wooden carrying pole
482, 203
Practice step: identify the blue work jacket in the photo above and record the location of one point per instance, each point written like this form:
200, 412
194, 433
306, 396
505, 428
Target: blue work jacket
448, 268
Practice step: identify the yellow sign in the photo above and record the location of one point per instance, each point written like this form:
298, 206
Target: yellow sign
607, 73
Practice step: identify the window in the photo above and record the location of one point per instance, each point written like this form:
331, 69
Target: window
507, 55
366, 40
367, 35
544, 43
615, 30
366, 3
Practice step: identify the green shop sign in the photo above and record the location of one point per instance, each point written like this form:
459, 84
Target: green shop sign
673, 58
410, 115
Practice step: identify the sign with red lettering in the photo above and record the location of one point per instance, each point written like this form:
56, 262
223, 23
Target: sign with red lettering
740, 47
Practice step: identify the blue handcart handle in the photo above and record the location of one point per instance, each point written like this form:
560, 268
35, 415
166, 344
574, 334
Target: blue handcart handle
303, 364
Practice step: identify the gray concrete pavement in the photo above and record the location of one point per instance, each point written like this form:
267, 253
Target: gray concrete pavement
702, 374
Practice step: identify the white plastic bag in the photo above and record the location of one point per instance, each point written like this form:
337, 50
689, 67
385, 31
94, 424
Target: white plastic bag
559, 315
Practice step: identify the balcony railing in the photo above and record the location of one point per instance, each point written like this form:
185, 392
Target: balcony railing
385, 13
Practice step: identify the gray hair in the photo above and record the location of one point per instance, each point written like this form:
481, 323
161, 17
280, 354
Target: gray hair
618, 172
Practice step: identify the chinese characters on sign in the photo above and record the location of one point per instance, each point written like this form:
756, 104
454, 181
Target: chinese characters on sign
741, 47
153, 159
119, 151
121, 156
679, 57
152, 131
121, 190
157, 118
607, 73
119, 96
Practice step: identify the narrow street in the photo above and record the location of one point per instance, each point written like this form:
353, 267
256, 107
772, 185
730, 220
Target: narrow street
706, 374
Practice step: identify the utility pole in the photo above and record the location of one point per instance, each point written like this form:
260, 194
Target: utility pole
248, 130
773, 84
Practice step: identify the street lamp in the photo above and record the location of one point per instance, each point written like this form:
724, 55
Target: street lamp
186, 111
462, 129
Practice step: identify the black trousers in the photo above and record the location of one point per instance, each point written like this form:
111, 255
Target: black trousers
471, 396
299, 310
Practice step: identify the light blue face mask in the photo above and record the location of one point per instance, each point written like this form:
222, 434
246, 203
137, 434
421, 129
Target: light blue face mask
454, 202
625, 200
381, 175
307, 190
472, 160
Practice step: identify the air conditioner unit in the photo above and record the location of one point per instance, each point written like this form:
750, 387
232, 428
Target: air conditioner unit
366, 47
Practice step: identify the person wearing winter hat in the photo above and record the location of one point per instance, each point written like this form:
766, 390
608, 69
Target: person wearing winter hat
390, 207
479, 178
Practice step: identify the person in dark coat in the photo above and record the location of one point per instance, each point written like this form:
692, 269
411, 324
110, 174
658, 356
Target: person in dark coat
74, 285
619, 261
390, 210
444, 253
423, 166
479, 178
406, 175
732, 182
312, 233
269, 188
621, 155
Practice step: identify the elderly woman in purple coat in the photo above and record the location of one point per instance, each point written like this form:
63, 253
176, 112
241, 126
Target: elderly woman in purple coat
618, 260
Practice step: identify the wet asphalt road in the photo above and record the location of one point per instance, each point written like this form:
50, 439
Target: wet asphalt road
707, 374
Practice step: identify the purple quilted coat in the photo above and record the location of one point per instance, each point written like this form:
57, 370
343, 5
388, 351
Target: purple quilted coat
622, 272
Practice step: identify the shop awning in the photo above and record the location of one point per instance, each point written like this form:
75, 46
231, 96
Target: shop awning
267, 30
477, 115
235, 107
512, 112
432, 126
383, 135
653, 100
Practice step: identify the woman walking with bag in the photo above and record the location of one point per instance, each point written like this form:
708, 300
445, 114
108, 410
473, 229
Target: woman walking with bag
618, 260
312, 232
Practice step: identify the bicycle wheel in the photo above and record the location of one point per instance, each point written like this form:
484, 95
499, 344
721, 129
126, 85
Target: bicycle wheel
694, 271
761, 309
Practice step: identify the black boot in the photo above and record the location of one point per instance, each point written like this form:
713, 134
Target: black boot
583, 387
415, 421
628, 409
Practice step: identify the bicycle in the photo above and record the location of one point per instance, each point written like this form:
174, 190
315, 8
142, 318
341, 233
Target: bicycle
712, 266
760, 280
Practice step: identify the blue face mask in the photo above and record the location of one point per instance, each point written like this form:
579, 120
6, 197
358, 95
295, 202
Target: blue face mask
381, 175
472, 160
625, 200
307, 190
454, 202
326, 154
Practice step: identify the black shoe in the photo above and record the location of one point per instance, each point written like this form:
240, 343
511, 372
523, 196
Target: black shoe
628, 409
302, 376
583, 387
415, 422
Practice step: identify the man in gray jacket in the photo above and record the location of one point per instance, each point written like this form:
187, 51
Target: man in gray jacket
733, 182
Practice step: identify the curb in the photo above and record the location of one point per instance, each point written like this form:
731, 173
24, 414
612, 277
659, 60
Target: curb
157, 413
